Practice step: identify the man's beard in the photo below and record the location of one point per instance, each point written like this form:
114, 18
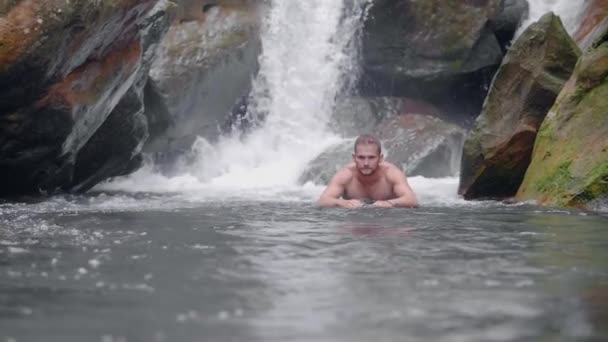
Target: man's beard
367, 171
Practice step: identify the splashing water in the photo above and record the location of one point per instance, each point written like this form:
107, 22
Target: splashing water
567, 10
308, 55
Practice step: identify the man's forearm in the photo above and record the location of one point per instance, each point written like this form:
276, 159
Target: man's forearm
329, 202
404, 202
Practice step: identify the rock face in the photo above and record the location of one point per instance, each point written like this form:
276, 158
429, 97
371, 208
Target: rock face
205, 65
444, 52
570, 161
594, 20
64, 67
497, 151
508, 21
423, 145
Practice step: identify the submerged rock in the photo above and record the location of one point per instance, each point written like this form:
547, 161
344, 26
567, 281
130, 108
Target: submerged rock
570, 161
64, 67
497, 151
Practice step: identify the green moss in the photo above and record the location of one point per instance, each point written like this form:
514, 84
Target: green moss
558, 181
596, 185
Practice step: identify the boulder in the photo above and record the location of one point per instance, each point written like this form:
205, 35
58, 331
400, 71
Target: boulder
422, 145
64, 66
497, 150
570, 161
443, 52
592, 23
114, 149
204, 67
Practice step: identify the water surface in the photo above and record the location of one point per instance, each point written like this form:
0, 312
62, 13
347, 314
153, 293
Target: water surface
152, 268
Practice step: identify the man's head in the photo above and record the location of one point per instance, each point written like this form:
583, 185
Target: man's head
367, 154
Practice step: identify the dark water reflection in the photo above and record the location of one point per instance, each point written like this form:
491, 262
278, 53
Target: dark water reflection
250, 271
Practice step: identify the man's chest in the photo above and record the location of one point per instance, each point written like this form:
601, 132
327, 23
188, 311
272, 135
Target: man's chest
378, 191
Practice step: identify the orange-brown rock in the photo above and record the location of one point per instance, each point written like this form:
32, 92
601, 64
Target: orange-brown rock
594, 20
64, 67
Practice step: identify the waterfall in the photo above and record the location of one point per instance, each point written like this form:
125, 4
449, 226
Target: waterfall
301, 67
308, 57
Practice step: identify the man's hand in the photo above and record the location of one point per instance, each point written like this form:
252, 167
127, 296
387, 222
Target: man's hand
383, 204
353, 203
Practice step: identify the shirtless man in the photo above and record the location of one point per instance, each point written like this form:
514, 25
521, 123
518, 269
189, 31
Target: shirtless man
368, 177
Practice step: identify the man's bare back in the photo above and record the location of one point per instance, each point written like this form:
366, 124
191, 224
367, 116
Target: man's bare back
368, 178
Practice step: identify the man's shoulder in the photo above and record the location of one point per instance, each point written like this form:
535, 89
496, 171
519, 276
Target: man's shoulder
390, 167
391, 170
346, 172
343, 176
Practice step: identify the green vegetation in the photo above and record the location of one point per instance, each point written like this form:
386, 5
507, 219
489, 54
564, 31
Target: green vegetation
558, 181
595, 184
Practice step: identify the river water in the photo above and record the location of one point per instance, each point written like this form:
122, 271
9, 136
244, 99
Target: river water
231, 248
146, 267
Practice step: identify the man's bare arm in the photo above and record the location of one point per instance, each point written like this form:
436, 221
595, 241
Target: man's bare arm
406, 197
331, 195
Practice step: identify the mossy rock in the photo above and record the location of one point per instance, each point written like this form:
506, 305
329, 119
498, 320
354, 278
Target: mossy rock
570, 161
498, 149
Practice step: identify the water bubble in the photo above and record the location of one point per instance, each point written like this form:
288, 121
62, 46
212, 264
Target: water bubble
94, 263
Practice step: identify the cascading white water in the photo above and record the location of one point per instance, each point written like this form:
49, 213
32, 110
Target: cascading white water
300, 75
308, 53
567, 10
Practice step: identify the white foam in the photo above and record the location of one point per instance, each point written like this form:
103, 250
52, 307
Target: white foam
568, 10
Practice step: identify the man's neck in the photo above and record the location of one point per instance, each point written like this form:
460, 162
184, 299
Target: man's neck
369, 180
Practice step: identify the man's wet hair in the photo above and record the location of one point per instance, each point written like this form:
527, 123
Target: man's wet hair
368, 139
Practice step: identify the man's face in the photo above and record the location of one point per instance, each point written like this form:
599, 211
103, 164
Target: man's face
367, 158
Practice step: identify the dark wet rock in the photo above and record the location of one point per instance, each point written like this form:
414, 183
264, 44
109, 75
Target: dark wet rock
205, 65
444, 52
570, 161
497, 151
64, 66
156, 112
238, 120
114, 149
506, 23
